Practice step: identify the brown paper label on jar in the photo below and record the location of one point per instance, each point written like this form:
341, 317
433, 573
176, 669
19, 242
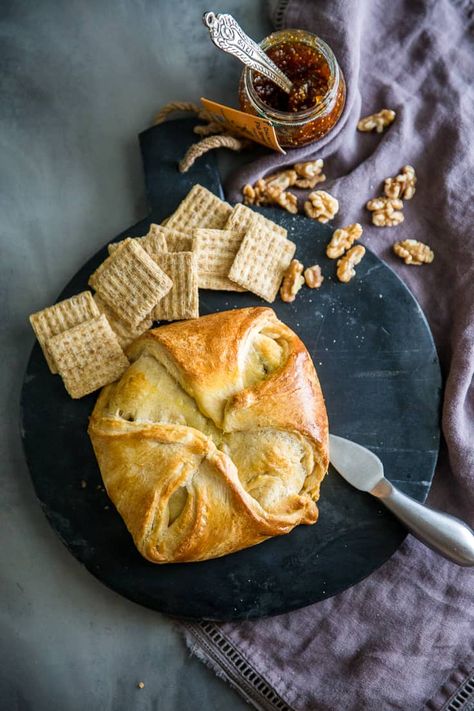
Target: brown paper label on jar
253, 127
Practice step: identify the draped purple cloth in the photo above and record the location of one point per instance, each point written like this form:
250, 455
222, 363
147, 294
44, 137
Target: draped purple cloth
403, 638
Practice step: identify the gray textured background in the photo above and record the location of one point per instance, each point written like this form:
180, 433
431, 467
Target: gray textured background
79, 80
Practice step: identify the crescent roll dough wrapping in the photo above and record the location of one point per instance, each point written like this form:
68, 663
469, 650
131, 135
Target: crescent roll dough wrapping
215, 438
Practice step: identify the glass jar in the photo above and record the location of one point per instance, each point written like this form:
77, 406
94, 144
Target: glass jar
308, 62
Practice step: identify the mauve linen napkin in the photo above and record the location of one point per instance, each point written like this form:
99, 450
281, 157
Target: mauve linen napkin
403, 638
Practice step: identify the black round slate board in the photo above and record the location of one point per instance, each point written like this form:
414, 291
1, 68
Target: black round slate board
380, 375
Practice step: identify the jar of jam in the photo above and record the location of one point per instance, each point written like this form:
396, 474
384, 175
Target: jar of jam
317, 97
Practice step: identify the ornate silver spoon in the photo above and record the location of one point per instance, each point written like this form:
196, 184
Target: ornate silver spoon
230, 37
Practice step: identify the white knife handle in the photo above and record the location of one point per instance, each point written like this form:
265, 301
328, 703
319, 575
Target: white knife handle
440, 531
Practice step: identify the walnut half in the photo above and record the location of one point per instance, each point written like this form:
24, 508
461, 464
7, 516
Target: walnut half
309, 173
403, 185
313, 277
292, 281
321, 206
379, 121
280, 181
386, 212
343, 239
271, 191
345, 265
288, 201
255, 194
413, 252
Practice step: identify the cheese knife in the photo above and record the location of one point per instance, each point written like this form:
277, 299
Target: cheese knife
445, 534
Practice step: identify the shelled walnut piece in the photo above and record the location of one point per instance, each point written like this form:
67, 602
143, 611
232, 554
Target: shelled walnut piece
313, 277
278, 182
413, 252
292, 281
309, 173
321, 206
403, 185
386, 212
342, 239
273, 190
288, 201
377, 121
255, 194
345, 265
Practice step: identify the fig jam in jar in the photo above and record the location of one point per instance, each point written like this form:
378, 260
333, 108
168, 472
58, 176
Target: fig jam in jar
315, 103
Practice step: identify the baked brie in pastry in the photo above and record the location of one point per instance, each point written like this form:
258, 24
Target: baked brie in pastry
215, 438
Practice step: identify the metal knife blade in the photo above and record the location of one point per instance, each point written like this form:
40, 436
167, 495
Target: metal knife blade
442, 532
359, 466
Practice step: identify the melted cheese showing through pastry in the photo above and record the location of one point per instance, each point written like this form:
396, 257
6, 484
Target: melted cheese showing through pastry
265, 354
176, 504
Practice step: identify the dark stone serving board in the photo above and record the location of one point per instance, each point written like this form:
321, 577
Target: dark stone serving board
380, 375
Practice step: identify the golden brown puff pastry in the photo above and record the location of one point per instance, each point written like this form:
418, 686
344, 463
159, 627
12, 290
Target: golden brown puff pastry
215, 438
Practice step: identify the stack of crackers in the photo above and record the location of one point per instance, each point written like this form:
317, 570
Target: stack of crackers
204, 244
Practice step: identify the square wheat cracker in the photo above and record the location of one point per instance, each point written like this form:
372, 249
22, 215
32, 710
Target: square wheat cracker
242, 218
125, 334
88, 356
131, 283
200, 208
182, 301
261, 261
153, 241
60, 317
216, 250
